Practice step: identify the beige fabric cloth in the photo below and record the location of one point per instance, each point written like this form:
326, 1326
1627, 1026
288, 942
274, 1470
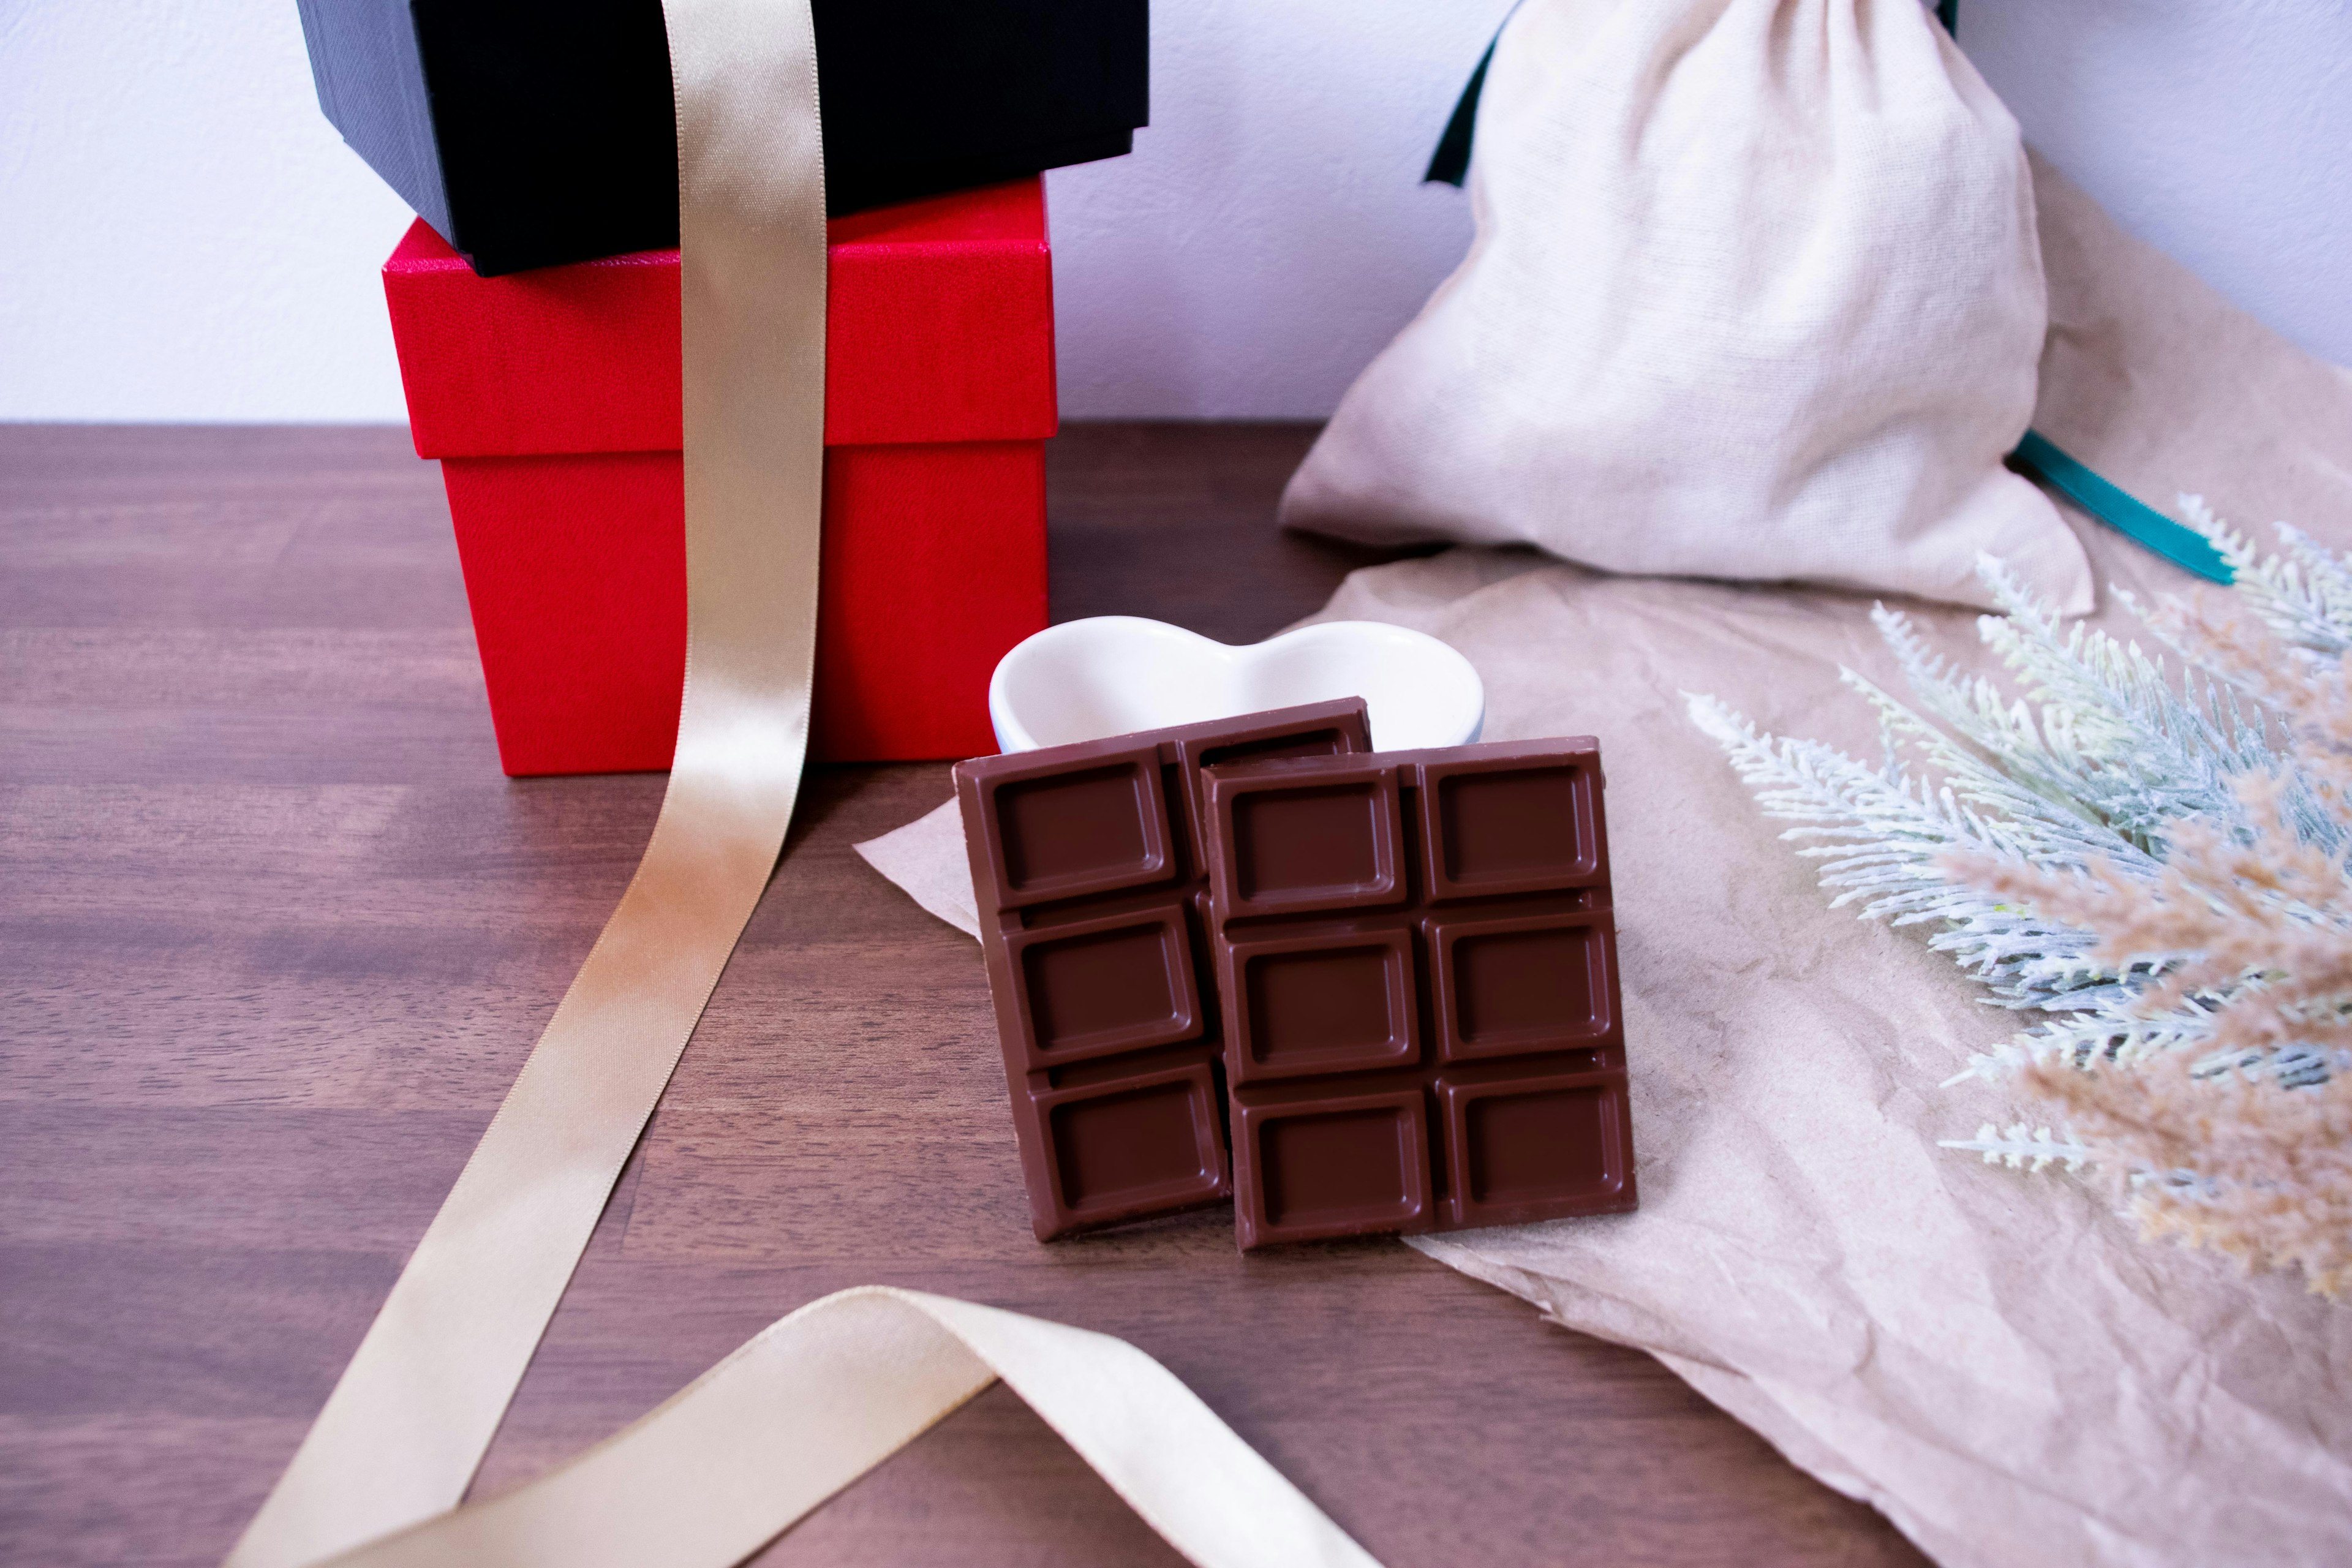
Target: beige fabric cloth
1988, 1357
1755, 294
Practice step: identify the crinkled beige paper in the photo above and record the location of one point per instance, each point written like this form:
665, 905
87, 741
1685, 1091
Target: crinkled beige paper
926, 858
1990, 1357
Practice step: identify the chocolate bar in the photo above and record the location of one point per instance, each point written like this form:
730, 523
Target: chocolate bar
1417, 961
1088, 864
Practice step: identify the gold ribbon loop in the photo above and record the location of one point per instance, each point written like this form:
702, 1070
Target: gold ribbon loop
824, 1396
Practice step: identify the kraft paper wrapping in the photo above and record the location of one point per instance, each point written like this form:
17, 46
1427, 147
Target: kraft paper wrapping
1990, 1358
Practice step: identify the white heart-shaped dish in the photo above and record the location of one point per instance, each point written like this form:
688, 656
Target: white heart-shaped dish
1109, 675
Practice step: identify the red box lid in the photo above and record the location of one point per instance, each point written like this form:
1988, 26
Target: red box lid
939, 322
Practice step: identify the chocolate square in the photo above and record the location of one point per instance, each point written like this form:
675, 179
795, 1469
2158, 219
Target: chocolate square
1088, 865
1063, 832
1153, 1141
1536, 1148
1431, 932
1516, 984
1334, 844
1334, 1164
1495, 825
1096, 988
1319, 1003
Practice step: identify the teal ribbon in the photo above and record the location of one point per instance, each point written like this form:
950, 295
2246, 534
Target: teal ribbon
2039, 458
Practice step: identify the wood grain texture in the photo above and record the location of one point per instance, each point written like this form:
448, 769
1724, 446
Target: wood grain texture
275, 933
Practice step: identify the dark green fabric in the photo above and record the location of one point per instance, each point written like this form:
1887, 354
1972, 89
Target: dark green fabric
2038, 457
1450, 163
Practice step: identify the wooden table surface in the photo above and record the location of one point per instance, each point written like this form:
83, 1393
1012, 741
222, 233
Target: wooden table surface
275, 934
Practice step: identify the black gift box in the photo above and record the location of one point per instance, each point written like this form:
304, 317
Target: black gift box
530, 132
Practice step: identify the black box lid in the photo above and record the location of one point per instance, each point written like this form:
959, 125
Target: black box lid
531, 132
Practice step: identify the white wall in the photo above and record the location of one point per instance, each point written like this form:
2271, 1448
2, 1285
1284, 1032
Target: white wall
182, 236
1269, 233
2218, 130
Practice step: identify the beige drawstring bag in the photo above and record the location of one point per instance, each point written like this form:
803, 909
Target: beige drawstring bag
1756, 293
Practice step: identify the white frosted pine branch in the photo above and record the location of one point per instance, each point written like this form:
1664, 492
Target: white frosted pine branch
2122, 741
2305, 595
2022, 1148
1882, 837
2097, 766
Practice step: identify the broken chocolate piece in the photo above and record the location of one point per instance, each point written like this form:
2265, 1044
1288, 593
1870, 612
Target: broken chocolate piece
1088, 865
1417, 960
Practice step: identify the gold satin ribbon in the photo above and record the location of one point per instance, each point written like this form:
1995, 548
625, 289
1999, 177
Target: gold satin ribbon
822, 1396
404, 1429
832, 1390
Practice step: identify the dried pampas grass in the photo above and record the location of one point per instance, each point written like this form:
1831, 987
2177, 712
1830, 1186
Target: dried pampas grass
2157, 869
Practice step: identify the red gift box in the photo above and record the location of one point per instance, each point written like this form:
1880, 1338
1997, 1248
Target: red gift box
551, 399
